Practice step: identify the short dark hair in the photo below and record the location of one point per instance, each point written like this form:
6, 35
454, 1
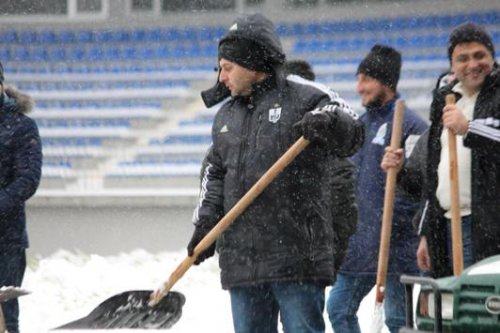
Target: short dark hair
301, 68
467, 33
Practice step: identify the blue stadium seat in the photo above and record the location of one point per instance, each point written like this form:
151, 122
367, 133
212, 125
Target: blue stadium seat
57, 53
20, 53
39, 53
75, 53
8, 37
112, 53
28, 37
121, 36
105, 36
84, 36
5, 54
95, 53
48, 37
66, 36
137, 35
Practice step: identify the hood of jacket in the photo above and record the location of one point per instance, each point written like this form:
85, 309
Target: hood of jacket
257, 29
260, 30
14, 100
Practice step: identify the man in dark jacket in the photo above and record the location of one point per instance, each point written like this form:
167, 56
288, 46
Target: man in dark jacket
377, 78
475, 119
344, 207
20, 169
277, 257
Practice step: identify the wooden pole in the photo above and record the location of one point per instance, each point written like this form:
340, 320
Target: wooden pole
390, 191
229, 218
2, 321
456, 222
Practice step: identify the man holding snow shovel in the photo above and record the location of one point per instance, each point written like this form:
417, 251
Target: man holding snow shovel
377, 79
475, 120
277, 257
20, 169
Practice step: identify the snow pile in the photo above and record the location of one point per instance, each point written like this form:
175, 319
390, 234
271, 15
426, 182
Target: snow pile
67, 286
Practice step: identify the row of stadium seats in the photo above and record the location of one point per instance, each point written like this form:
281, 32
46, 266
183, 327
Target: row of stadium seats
106, 52
200, 42
99, 85
93, 113
212, 33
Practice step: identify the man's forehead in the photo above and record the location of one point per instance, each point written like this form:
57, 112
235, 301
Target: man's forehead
469, 47
365, 77
223, 61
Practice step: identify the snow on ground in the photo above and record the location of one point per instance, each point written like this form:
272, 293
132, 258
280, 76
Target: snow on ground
66, 286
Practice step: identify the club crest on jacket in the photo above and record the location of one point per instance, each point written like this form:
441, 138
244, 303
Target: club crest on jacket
274, 115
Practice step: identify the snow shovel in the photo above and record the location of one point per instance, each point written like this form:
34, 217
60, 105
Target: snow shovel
146, 309
385, 234
230, 216
130, 309
8, 293
456, 222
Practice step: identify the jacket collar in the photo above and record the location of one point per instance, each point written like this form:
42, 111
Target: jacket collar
14, 100
260, 89
383, 110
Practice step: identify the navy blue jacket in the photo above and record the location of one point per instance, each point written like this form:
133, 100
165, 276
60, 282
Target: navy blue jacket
20, 167
362, 253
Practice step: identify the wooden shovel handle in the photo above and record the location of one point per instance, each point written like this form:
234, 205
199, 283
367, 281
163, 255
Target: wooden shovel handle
390, 192
230, 216
2, 322
456, 222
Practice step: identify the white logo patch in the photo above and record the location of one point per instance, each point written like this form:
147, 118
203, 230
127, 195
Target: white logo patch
379, 139
224, 129
410, 143
274, 115
234, 27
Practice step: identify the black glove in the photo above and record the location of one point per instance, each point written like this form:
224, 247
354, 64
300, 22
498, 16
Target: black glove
200, 231
316, 125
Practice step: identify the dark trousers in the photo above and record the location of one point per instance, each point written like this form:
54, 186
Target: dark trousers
12, 266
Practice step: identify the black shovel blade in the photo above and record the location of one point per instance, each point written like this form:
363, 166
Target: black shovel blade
131, 310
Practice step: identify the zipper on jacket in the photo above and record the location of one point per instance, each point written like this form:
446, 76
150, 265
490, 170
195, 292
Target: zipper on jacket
243, 145
259, 128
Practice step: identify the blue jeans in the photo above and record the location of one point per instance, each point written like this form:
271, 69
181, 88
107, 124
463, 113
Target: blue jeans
347, 294
300, 305
12, 266
468, 250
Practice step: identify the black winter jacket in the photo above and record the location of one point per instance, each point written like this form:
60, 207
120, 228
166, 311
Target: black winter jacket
20, 167
287, 233
483, 138
344, 207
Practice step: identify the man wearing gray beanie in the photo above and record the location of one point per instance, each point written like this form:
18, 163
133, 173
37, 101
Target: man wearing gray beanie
277, 257
377, 79
475, 120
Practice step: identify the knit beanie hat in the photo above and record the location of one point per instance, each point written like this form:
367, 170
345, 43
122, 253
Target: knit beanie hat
383, 63
252, 42
467, 33
248, 54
